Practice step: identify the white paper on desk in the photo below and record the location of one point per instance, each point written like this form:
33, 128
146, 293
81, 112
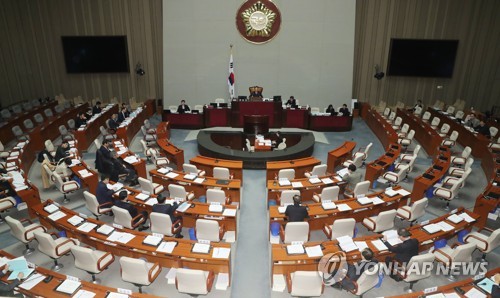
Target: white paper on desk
152, 201
379, 245
172, 175
23, 187
314, 180
116, 295
432, 228
51, 208
343, 207
438, 295
126, 237
142, 197
445, 227
346, 243
84, 294
163, 171
68, 286
32, 281
403, 192
390, 192
221, 253
75, 220
183, 207
131, 159
297, 184
475, 293
152, 240
201, 248
215, 208
327, 180
342, 172
229, 212
199, 180
105, 229
282, 209
87, 227
166, 247
328, 205
294, 249
314, 251
284, 182
121, 152
466, 217
364, 200
189, 177
361, 245
451, 295
56, 215
377, 201
455, 218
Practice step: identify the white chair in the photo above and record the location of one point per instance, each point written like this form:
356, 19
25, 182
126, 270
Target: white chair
179, 192
54, 248
381, 222
405, 142
403, 131
493, 131
409, 155
366, 281
459, 171
49, 146
146, 150
210, 230
162, 224
5, 113
149, 127
285, 197
282, 145
443, 132
24, 233
414, 212
339, 228
450, 180
217, 196
435, 122
19, 134
58, 109
221, 173
38, 118
459, 115
460, 160
286, 174
5, 204
330, 193
397, 177
106, 134
484, 243
194, 282
426, 116
419, 261
28, 124
65, 134
364, 152
381, 106
455, 254
386, 113
448, 194
305, 283
48, 113
295, 231
493, 145
138, 272
249, 147
158, 160
91, 261
450, 110
417, 111
148, 137
361, 188
357, 161
392, 117
3, 153
452, 140
123, 218
173, 109
151, 187
397, 123
192, 169
97, 143
93, 205
319, 170
65, 187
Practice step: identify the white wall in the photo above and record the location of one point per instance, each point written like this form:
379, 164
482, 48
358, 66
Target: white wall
310, 58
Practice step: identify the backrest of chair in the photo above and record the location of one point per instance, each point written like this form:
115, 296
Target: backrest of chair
426, 116
435, 121
221, 173
459, 114
361, 188
445, 128
467, 151
17, 131
134, 270
418, 111
58, 181
144, 146
468, 163
38, 118
287, 196
63, 130
103, 130
368, 280
91, 202
160, 223
405, 128
122, 217
28, 124
319, 170
190, 169
71, 124
216, 196
416, 150
97, 143
330, 193
493, 131
296, 231
392, 115
387, 111
48, 171
16, 228
463, 253
398, 121
386, 218
49, 146
493, 240
191, 281
410, 135
418, 208
17, 109
46, 243
5, 113
173, 109
402, 171
48, 112
58, 108
450, 110
286, 173
454, 135
343, 227
420, 262
146, 185
85, 258
177, 191
306, 283
207, 230
358, 160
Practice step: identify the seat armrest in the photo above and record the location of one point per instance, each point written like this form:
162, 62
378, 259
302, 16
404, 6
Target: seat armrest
278, 199
23, 220
228, 200
176, 226
32, 229
104, 205
101, 266
152, 276
478, 239
444, 254
328, 231
139, 222
374, 223
288, 277
222, 230
210, 280
63, 243
282, 233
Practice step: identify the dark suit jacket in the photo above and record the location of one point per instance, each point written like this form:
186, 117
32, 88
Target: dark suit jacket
103, 161
291, 102
96, 110
344, 111
79, 122
182, 109
404, 251
484, 130
296, 213
60, 153
363, 265
6, 289
113, 124
121, 117
166, 209
127, 206
103, 194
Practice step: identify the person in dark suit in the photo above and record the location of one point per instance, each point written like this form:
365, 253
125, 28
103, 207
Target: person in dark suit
81, 120
113, 122
417, 105
355, 271
483, 129
130, 208
103, 161
330, 109
296, 212
62, 151
344, 110
103, 193
119, 168
168, 209
403, 251
122, 115
127, 111
7, 290
291, 101
97, 108
183, 107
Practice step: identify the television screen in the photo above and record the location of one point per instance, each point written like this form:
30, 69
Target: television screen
422, 57
95, 54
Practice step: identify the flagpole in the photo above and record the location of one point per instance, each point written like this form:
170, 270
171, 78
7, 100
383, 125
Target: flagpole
230, 79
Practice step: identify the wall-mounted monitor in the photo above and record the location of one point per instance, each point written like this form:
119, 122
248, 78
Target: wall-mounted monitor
95, 54
422, 57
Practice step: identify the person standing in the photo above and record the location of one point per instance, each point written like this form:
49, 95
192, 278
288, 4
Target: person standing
403, 251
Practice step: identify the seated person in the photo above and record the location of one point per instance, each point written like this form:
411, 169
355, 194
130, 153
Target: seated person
403, 251
7, 290
472, 121
122, 115
355, 271
344, 110
331, 110
97, 108
63, 169
89, 114
296, 212
103, 194
183, 107
352, 177
62, 151
483, 129
81, 120
122, 196
255, 91
127, 111
120, 168
6, 189
417, 105
113, 122
291, 102
103, 161
168, 209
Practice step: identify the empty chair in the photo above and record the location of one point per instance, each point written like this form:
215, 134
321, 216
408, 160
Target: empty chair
67, 104
123, 218
217, 196
179, 192
65, 187
210, 230
91, 261
357, 161
404, 130
24, 233
386, 113
448, 194
222, 173
397, 177
484, 243
381, 222
412, 276
381, 106
17, 109
364, 152
28, 124
173, 109
65, 134
444, 130
460, 160
58, 109
330, 193
459, 179
397, 123
5, 204
158, 160
459, 171
391, 117
366, 281
414, 212
27, 106
305, 283
149, 128
319, 170
138, 272
295, 231
162, 224
93, 205
38, 118
435, 122
408, 139
48, 113
339, 228
409, 155
107, 135
455, 254
146, 150
460, 115
361, 188
71, 124
450, 110
410, 161
148, 137
151, 187
249, 147
286, 174
192, 169
19, 134
493, 131
194, 282
3, 153
54, 248
285, 197
5, 114
418, 111
35, 102
452, 140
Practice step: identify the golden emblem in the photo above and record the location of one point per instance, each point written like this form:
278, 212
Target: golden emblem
258, 20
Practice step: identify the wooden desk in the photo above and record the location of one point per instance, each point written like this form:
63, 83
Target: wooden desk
163, 130
377, 167
91, 181
173, 153
306, 190
300, 165
271, 108
207, 164
339, 155
217, 116
261, 146
189, 121
382, 129
330, 123
233, 189
318, 216
128, 131
181, 256
139, 166
426, 136
297, 118
85, 136
437, 170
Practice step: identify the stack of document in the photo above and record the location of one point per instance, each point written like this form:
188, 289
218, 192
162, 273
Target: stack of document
85, 173
221, 253
390, 192
87, 227
201, 248
343, 172
361, 245
183, 207
131, 159
142, 197
189, 177
377, 200
432, 228
284, 182
455, 218
215, 208
364, 200
69, 286
392, 237
172, 175
379, 245
56, 215
51, 208
314, 180
297, 184
343, 207
466, 217
167, 247
229, 212
152, 201
346, 243
163, 170
75, 162
29, 283
403, 192
295, 249
445, 227
75, 220
327, 180
152, 240
122, 237
105, 230
199, 180
314, 251
328, 205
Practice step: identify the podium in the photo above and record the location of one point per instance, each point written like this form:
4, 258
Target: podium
256, 124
